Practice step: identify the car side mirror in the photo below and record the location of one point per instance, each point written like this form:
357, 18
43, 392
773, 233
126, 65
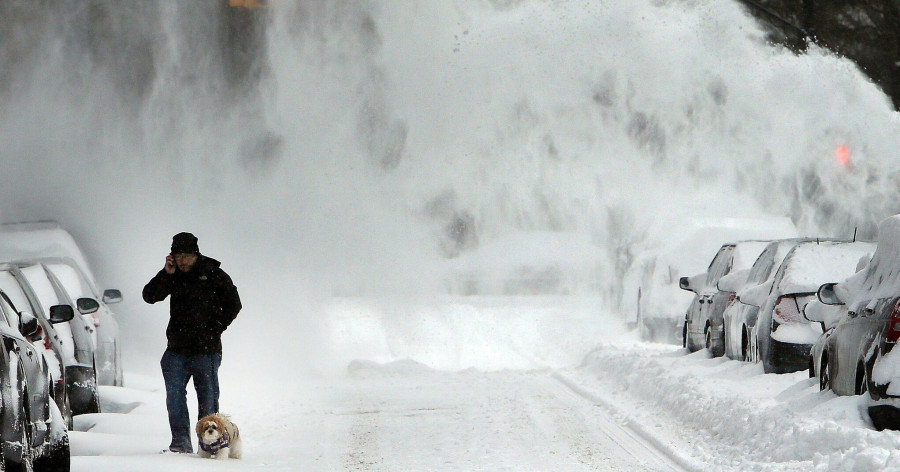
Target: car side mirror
733, 282
755, 296
692, 284
87, 305
826, 295
812, 311
28, 324
61, 313
111, 296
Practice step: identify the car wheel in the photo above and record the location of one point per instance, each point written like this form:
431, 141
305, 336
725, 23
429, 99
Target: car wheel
23, 435
709, 346
57, 452
95, 398
862, 379
58, 458
67, 413
93, 404
824, 376
684, 336
22, 428
745, 345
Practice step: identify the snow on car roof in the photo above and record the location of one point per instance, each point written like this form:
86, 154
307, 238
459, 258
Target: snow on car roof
811, 264
691, 253
40, 239
881, 277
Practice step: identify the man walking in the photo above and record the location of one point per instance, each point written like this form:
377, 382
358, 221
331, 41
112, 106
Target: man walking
204, 302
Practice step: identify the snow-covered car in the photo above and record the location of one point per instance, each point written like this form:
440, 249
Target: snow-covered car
658, 303
782, 337
47, 239
704, 326
46, 339
858, 355
75, 336
739, 317
651, 295
32, 428
70, 281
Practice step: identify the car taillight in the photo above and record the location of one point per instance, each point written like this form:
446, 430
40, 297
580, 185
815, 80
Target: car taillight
39, 334
787, 310
731, 299
893, 334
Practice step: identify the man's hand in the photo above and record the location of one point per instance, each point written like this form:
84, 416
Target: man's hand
170, 265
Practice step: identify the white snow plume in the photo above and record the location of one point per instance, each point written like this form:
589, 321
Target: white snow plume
339, 146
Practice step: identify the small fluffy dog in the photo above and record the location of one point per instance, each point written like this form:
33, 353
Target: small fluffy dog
219, 437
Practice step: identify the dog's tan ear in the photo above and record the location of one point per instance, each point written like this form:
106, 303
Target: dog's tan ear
199, 428
219, 423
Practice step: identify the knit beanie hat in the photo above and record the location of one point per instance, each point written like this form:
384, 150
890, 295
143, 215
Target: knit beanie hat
185, 243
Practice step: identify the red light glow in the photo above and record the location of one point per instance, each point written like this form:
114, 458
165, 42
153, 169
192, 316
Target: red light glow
843, 155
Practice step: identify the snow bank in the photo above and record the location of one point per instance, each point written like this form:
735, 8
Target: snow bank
738, 418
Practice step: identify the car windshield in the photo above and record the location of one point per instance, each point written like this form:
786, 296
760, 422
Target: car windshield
762, 268
720, 265
42, 287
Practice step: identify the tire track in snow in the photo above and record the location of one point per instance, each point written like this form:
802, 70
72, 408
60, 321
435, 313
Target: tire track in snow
631, 436
571, 429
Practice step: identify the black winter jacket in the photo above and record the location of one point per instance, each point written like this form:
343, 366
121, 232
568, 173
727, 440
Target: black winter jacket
204, 302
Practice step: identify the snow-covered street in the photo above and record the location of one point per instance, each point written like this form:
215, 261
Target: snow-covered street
404, 416
623, 406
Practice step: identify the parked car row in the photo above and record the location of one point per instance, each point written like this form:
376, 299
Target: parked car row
753, 311
792, 304
60, 341
652, 299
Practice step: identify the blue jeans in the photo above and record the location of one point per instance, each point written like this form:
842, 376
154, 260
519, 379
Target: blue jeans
177, 370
